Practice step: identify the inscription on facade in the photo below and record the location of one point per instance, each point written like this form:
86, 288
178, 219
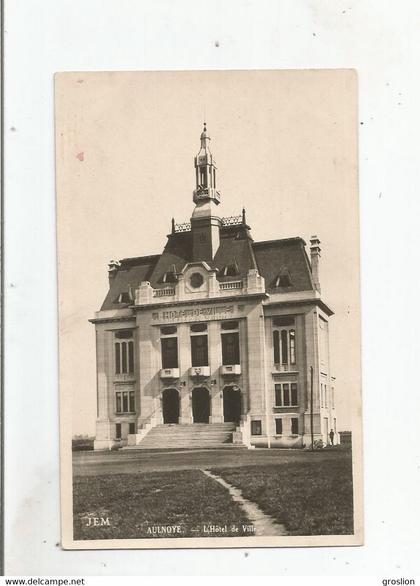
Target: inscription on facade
194, 313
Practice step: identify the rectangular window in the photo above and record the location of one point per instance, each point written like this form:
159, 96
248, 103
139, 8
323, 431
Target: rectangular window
131, 428
230, 325
295, 425
284, 347
117, 359
203, 177
124, 357
132, 406
118, 431
199, 351
284, 340
279, 426
286, 395
284, 321
276, 345
294, 394
130, 357
256, 428
169, 352
124, 334
292, 344
230, 348
125, 402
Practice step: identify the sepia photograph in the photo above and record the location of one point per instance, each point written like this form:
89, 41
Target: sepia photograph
209, 308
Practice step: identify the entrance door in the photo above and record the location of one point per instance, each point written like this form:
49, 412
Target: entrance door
231, 405
201, 405
170, 406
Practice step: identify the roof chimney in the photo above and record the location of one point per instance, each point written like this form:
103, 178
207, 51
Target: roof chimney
113, 267
315, 256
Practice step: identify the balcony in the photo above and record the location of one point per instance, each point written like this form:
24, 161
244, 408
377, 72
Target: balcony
229, 369
251, 284
231, 285
165, 292
284, 368
200, 371
124, 377
169, 373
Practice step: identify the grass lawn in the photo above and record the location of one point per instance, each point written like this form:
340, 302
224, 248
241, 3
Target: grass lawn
310, 498
137, 502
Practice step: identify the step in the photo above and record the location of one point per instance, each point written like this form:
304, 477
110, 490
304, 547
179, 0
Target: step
185, 447
188, 436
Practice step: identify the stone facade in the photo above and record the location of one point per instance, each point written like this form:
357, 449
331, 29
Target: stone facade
246, 333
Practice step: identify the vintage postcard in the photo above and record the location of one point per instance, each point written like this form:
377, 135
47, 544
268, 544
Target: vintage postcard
209, 313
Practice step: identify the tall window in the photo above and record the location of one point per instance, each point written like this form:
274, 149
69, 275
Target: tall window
118, 431
286, 395
125, 402
124, 352
169, 346
279, 426
324, 395
295, 425
284, 340
323, 340
199, 345
203, 177
230, 343
256, 427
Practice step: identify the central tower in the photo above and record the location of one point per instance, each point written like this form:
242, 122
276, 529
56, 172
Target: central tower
205, 222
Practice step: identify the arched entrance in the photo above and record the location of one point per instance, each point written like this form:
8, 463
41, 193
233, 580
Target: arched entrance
232, 404
170, 406
200, 405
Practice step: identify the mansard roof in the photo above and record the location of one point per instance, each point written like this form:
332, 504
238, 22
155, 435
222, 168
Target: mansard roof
286, 256
236, 255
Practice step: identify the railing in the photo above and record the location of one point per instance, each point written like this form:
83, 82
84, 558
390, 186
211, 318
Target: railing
285, 367
231, 285
183, 227
124, 377
232, 221
166, 292
228, 221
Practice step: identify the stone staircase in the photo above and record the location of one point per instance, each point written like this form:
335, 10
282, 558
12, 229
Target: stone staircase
188, 436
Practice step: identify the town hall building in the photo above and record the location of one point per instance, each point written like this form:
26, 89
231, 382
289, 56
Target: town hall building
218, 340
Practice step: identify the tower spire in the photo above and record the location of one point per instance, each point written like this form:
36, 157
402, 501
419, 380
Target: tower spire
205, 221
205, 172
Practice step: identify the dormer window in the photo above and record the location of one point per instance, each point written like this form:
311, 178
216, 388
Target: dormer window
169, 277
230, 270
283, 279
123, 297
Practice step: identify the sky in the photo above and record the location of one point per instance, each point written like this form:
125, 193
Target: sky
285, 145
